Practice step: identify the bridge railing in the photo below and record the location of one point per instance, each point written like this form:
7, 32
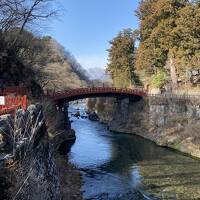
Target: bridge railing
130, 91
175, 96
12, 98
81, 91
98, 89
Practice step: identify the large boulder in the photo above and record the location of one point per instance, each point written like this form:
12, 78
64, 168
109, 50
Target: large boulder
77, 114
93, 116
6, 132
35, 112
63, 137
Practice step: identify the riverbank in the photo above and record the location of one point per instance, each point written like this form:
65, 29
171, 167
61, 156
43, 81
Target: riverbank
167, 122
166, 138
28, 157
62, 137
69, 178
31, 166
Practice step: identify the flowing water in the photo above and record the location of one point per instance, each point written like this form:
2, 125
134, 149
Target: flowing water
114, 165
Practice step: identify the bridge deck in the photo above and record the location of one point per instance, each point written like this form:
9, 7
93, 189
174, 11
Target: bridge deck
74, 94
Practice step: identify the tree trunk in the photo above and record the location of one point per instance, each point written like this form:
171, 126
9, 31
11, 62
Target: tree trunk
173, 74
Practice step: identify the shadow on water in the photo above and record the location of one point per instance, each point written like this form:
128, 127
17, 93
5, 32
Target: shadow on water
65, 147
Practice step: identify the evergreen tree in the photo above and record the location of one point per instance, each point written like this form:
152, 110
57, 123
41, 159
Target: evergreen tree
187, 39
169, 37
121, 64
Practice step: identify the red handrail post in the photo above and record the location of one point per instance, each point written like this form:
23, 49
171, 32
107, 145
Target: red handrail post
24, 102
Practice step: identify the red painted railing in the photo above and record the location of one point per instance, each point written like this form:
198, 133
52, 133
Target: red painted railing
73, 93
16, 90
15, 98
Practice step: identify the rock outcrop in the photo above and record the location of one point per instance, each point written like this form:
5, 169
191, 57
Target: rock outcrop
93, 116
32, 171
6, 125
169, 121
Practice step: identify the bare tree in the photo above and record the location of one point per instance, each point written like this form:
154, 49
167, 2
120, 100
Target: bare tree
19, 48
21, 13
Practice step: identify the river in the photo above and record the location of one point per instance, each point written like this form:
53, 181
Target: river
115, 165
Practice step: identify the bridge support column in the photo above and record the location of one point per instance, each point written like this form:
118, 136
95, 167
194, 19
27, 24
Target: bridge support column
122, 107
67, 121
125, 108
63, 107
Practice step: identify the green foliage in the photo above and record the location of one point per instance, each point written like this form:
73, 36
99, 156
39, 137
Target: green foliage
187, 38
159, 79
169, 29
121, 79
122, 59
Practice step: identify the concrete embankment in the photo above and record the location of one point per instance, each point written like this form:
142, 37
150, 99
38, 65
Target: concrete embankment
31, 166
168, 121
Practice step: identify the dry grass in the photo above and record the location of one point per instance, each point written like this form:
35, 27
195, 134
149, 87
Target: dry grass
23, 133
192, 130
61, 77
23, 130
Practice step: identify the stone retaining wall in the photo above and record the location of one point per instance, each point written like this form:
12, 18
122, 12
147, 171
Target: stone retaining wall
171, 122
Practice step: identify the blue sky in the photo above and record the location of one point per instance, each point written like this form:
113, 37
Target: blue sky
87, 26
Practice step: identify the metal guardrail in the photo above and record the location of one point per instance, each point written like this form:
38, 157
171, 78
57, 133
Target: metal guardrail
14, 98
17, 90
12, 104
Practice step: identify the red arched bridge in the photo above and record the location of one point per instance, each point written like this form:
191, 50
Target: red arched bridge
81, 93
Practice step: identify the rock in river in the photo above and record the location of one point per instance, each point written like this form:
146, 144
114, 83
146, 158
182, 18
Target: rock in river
93, 117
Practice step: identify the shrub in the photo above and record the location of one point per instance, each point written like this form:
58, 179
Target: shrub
159, 79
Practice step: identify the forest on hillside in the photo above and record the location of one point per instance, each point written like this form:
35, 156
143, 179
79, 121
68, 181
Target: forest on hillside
165, 50
38, 62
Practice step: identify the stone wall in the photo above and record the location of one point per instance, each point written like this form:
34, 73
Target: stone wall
175, 122
163, 111
168, 121
129, 117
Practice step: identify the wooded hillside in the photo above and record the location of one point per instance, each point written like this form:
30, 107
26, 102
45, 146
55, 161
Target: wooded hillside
39, 63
